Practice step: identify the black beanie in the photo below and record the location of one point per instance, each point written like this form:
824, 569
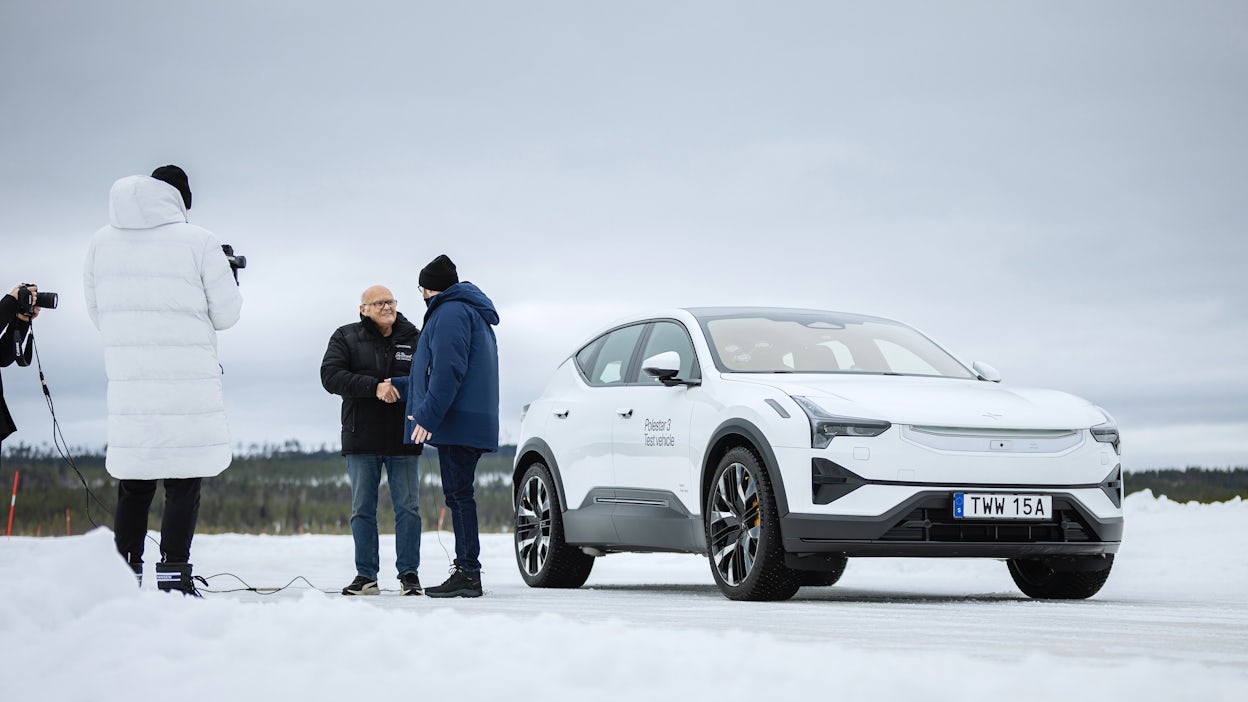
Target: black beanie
177, 178
439, 275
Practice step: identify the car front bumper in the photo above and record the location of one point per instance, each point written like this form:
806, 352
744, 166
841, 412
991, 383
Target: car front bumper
923, 525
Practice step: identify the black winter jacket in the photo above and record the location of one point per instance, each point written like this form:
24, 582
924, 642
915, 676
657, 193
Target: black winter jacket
12, 330
359, 357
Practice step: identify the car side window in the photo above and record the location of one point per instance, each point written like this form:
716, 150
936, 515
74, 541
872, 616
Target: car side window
669, 336
585, 357
613, 352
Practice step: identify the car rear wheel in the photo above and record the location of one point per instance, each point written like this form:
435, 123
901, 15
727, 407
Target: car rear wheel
545, 560
743, 531
1076, 579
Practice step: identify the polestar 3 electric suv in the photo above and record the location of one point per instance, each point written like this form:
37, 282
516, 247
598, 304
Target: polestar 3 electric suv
781, 442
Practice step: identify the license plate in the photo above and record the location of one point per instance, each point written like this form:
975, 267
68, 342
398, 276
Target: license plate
968, 505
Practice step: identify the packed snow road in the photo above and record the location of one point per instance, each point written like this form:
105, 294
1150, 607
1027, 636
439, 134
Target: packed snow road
1169, 624
1176, 593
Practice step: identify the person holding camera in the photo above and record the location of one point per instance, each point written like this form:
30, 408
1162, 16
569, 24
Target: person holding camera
159, 289
16, 310
359, 358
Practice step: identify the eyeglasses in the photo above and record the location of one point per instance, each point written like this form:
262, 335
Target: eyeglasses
380, 304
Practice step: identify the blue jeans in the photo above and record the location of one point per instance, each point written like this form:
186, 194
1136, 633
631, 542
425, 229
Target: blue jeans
459, 473
403, 474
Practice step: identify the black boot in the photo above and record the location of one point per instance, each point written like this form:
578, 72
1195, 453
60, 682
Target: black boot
175, 577
462, 583
138, 572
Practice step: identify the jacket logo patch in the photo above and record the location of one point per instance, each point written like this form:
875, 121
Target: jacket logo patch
402, 356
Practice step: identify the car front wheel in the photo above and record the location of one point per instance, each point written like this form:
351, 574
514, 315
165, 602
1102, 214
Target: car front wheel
743, 531
1075, 579
545, 560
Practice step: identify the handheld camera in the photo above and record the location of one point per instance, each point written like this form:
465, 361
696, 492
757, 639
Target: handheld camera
26, 303
236, 262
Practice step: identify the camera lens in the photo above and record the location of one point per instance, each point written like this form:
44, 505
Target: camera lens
46, 300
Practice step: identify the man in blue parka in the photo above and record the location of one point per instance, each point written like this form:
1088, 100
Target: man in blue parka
452, 403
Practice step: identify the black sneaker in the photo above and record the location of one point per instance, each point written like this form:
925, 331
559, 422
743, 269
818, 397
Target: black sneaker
411, 584
460, 584
361, 586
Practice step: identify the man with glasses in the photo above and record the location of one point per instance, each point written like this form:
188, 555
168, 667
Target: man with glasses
359, 359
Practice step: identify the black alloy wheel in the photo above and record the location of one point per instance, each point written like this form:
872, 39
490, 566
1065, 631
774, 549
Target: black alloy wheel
543, 557
743, 531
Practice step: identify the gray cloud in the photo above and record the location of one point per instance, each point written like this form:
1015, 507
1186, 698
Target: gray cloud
1058, 192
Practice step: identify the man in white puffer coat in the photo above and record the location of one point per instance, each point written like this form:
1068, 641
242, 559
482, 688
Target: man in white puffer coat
158, 288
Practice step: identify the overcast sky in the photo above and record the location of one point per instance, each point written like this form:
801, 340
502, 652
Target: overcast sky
1058, 189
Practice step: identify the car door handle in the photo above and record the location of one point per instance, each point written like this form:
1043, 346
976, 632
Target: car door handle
625, 412
561, 413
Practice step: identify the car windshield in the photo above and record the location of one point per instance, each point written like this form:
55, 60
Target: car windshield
799, 341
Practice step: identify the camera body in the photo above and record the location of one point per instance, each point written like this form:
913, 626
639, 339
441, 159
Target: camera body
236, 262
26, 303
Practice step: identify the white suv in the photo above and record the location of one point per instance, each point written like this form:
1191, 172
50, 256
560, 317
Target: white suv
779, 442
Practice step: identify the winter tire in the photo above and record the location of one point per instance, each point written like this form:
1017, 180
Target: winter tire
543, 557
1039, 580
743, 531
822, 578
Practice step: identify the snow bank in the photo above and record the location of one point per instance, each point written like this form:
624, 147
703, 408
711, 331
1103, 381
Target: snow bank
74, 627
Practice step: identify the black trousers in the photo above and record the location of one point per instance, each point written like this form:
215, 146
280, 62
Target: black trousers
177, 527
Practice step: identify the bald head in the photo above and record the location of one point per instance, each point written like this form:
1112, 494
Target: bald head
379, 305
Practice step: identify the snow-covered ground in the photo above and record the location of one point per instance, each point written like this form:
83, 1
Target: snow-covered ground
1170, 624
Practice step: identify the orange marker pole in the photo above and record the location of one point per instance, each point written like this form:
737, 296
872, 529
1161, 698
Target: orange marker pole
12, 503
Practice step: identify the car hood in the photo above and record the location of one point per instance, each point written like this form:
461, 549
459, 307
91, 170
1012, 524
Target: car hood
945, 402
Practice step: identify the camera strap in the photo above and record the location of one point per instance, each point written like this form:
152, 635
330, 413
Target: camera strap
23, 346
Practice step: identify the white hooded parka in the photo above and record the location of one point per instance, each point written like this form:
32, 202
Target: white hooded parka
158, 288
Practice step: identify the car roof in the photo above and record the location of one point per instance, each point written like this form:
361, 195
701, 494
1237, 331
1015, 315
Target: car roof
706, 313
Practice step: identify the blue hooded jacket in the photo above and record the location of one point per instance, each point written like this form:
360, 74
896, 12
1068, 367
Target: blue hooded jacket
452, 389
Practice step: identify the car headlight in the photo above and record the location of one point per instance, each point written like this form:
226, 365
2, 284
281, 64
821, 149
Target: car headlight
1107, 432
825, 426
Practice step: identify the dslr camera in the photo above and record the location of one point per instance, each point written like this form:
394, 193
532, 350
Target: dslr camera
26, 303
236, 262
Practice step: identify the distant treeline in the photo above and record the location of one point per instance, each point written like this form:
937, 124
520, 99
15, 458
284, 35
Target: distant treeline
1191, 484
273, 490
289, 489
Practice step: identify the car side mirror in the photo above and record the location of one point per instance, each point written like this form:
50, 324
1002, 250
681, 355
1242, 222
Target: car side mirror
986, 372
665, 366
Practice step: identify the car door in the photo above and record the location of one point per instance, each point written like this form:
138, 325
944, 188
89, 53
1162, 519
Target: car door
579, 432
655, 493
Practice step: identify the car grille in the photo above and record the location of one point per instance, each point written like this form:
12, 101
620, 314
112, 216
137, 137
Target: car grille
938, 525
